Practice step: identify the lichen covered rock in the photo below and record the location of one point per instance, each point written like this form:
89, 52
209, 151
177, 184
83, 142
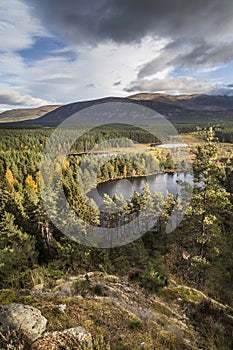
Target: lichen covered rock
21, 317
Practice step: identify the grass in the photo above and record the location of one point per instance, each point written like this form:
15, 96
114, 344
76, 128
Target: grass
181, 293
130, 318
7, 296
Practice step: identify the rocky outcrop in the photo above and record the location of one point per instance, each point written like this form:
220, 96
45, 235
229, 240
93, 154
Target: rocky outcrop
25, 318
73, 338
116, 312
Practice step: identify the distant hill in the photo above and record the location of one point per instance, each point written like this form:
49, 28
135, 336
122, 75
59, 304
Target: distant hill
197, 101
188, 109
15, 115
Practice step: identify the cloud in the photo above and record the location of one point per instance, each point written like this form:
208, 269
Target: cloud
197, 36
93, 21
17, 28
90, 86
8, 96
18, 31
196, 55
226, 90
111, 45
57, 79
174, 85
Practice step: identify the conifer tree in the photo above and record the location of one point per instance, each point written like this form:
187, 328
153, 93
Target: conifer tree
203, 230
17, 250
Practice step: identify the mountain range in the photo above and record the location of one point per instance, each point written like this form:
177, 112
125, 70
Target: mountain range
15, 115
198, 108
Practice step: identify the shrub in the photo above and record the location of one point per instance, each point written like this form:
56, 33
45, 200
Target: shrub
82, 287
152, 279
98, 289
135, 323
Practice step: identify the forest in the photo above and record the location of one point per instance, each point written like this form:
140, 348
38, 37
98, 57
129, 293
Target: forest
198, 253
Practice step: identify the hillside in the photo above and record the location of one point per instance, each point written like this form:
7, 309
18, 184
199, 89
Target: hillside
116, 313
160, 291
191, 109
197, 102
15, 115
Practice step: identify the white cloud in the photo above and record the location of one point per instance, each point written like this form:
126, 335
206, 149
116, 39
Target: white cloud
18, 31
174, 85
81, 72
17, 27
9, 96
92, 74
11, 64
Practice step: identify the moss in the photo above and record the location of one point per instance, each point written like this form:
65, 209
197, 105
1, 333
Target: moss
88, 324
162, 309
165, 339
29, 300
7, 296
66, 300
133, 319
135, 323
99, 343
185, 294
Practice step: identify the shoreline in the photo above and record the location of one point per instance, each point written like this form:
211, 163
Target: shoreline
172, 172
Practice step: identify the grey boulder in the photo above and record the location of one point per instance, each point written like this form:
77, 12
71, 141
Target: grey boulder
21, 317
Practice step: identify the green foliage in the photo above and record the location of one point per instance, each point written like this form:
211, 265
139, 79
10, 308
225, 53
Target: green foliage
135, 323
7, 296
154, 276
33, 251
82, 287
98, 289
17, 250
220, 334
225, 133
198, 250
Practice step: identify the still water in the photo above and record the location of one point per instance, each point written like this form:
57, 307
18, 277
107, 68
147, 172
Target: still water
157, 183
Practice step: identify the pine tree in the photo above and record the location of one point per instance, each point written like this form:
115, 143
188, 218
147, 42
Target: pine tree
203, 230
17, 250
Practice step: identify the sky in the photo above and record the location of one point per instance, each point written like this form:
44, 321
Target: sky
56, 51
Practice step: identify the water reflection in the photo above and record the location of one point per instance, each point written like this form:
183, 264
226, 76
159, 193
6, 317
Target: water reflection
157, 183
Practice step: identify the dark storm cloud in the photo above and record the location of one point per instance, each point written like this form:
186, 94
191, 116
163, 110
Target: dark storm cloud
193, 54
206, 55
199, 33
92, 21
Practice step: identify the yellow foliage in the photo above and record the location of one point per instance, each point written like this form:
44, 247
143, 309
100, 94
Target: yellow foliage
10, 178
31, 183
125, 171
66, 164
